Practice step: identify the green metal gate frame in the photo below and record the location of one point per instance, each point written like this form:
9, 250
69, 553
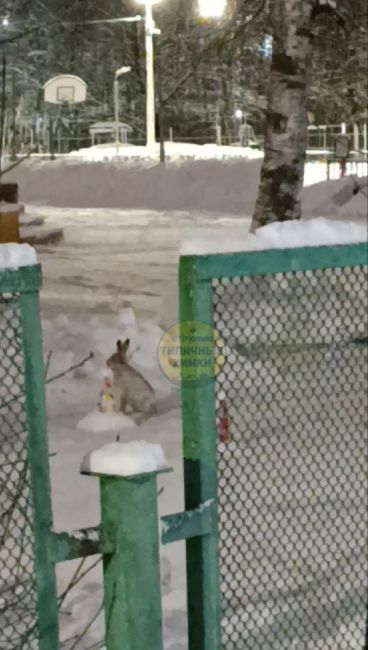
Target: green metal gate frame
128, 537
49, 547
199, 413
198, 524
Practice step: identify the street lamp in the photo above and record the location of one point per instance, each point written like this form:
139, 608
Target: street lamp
211, 8
118, 73
150, 32
5, 22
238, 115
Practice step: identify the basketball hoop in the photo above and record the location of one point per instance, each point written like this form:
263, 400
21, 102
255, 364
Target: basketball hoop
65, 89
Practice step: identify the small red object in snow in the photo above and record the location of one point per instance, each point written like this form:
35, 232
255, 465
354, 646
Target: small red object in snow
106, 401
223, 422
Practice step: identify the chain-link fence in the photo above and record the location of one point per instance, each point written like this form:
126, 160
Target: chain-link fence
28, 605
18, 595
29, 548
292, 467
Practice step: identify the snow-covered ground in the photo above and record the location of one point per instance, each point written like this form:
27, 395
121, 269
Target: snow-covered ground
174, 151
115, 276
76, 428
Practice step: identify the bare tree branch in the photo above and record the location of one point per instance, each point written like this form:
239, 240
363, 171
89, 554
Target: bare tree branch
74, 367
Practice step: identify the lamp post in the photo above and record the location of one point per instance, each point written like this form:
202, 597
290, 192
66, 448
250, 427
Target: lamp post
238, 115
118, 74
212, 9
150, 32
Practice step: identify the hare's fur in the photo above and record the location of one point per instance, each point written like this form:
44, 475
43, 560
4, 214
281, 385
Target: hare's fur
131, 391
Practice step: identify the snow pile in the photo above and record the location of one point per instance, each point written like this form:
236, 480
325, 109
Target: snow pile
355, 209
174, 151
98, 422
13, 256
337, 199
287, 234
9, 208
125, 459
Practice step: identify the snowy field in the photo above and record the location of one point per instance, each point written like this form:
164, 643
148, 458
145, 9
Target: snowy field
115, 276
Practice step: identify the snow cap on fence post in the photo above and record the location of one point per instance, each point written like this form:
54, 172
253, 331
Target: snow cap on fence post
129, 520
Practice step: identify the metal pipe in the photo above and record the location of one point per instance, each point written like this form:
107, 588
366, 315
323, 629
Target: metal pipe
150, 76
116, 111
2, 114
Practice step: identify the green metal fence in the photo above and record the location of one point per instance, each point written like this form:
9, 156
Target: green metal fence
17, 575
278, 441
275, 452
29, 549
28, 612
127, 539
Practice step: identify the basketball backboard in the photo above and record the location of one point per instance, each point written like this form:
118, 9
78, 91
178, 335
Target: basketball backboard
65, 89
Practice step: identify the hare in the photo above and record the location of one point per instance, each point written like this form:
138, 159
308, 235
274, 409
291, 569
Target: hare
129, 388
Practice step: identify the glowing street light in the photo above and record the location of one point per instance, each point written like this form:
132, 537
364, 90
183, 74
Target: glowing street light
5, 22
151, 31
211, 8
238, 114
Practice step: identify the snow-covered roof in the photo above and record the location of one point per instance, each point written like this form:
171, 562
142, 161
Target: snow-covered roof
107, 127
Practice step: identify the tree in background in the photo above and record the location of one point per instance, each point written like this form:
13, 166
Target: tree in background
339, 59
306, 30
209, 69
282, 171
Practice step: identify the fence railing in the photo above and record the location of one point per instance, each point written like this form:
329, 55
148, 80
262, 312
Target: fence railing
352, 168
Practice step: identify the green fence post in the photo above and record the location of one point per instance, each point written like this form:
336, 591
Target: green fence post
47, 610
129, 520
200, 472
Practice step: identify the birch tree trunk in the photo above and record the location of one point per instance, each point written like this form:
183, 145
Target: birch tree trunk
282, 172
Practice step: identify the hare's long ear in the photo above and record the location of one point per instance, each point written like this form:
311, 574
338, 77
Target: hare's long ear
123, 347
